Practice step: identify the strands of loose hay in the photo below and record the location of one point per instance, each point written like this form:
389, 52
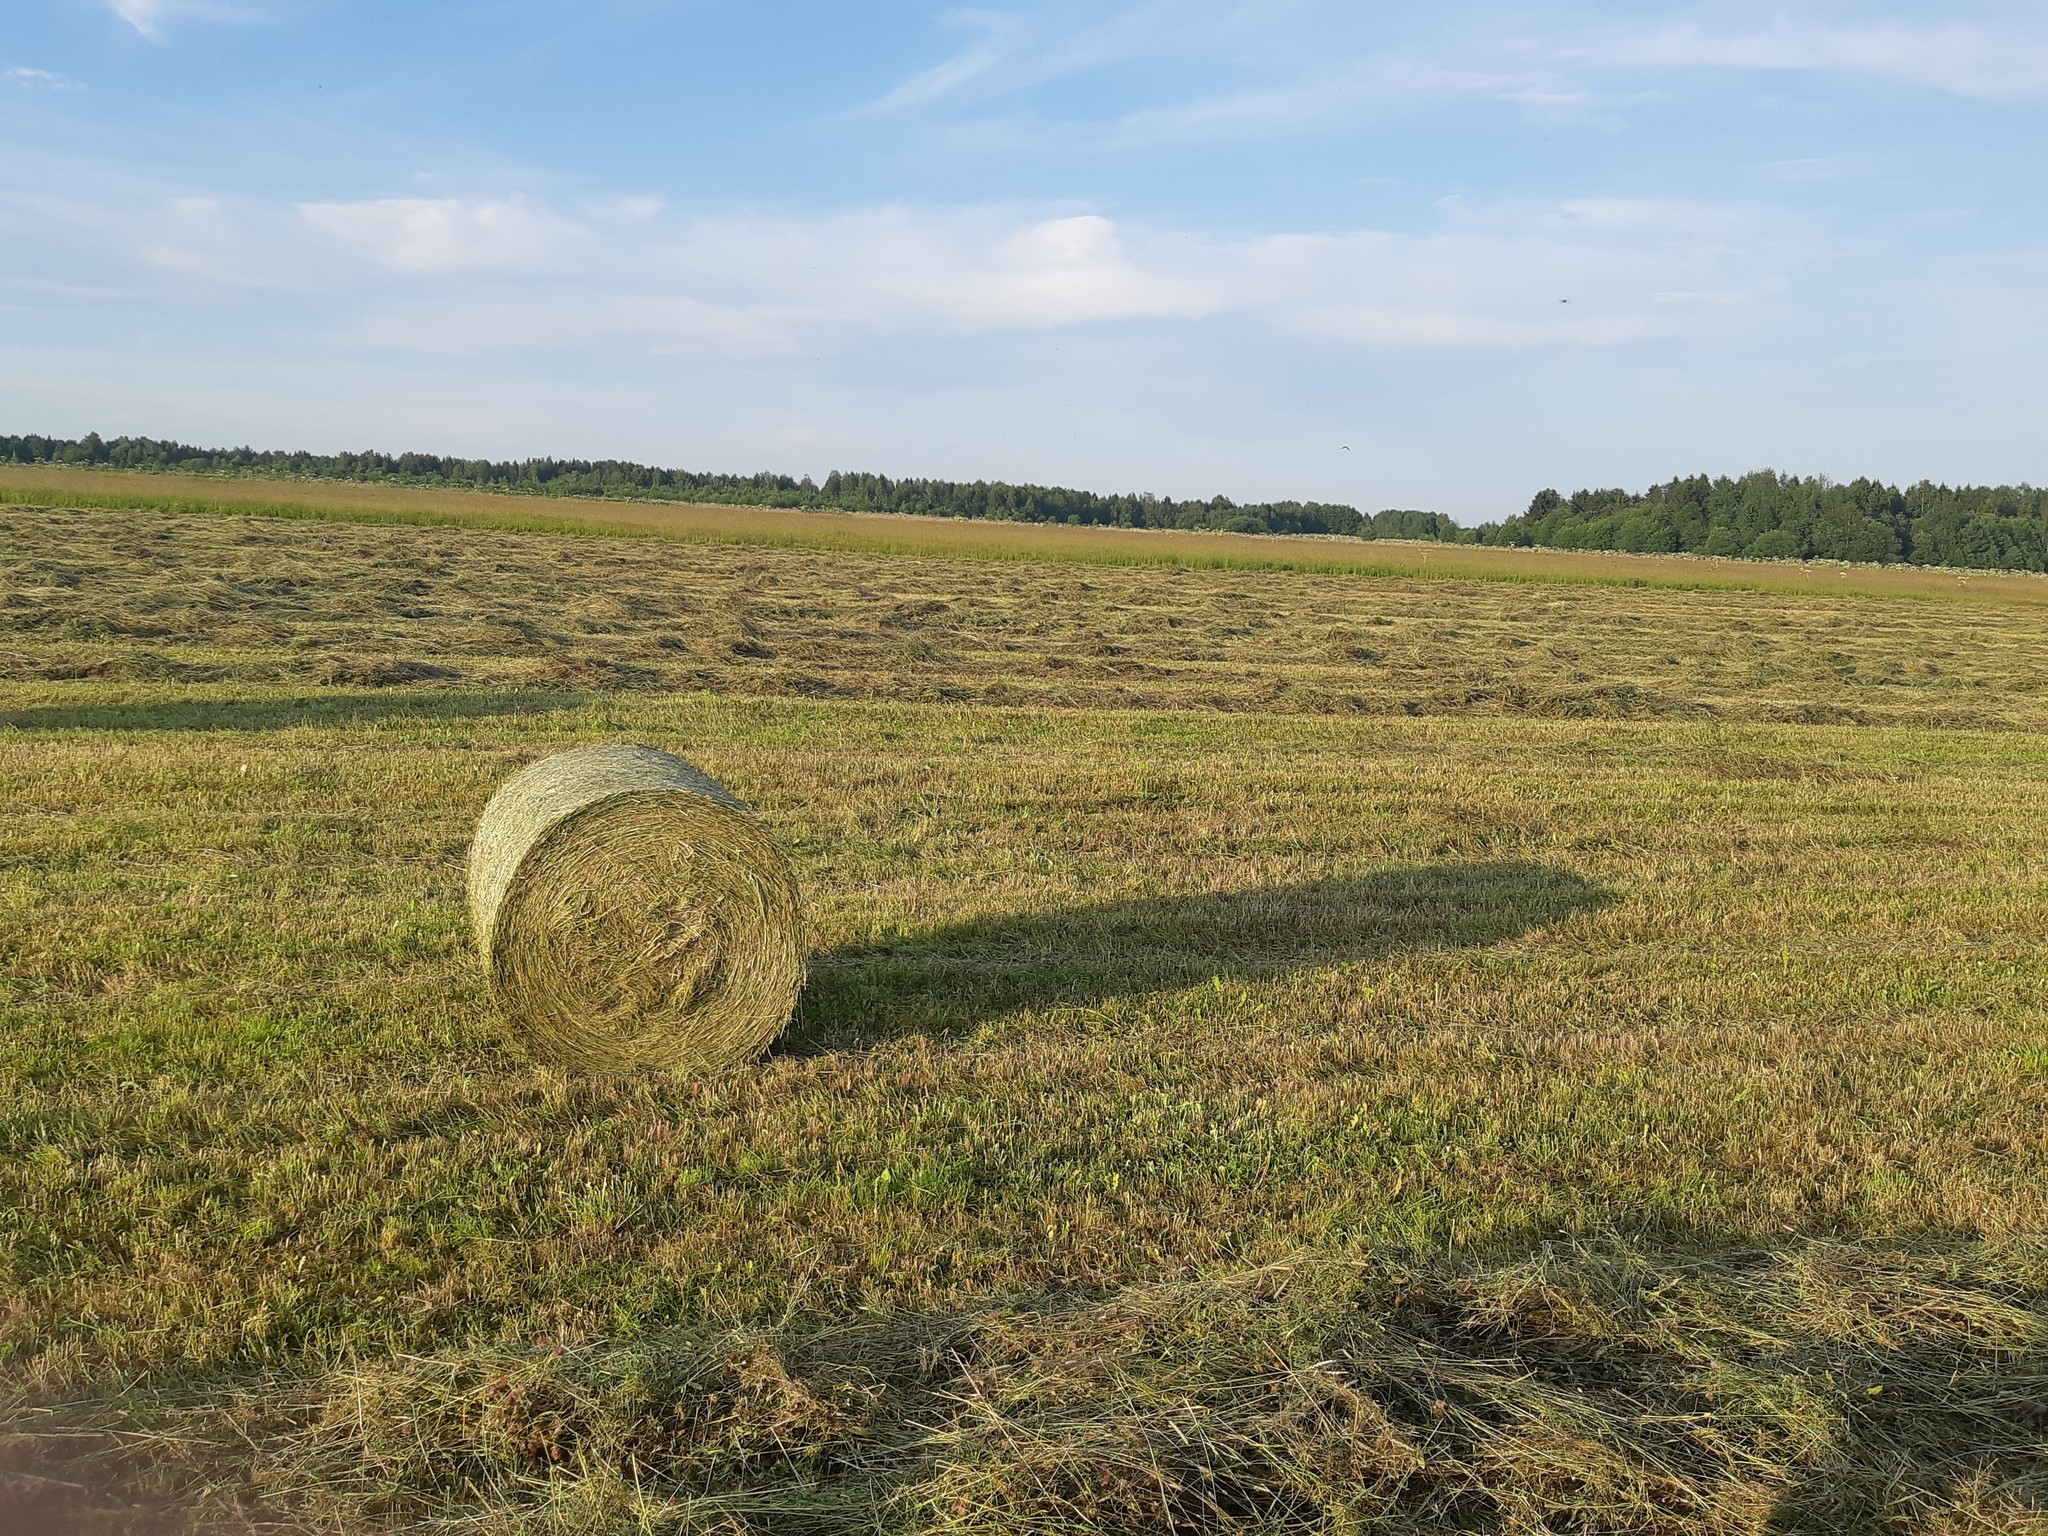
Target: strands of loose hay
631, 913
1607, 1387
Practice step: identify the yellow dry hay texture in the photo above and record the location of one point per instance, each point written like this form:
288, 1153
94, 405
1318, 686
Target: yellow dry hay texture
631, 913
986, 539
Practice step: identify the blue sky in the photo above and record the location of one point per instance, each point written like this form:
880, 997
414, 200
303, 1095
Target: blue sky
1434, 255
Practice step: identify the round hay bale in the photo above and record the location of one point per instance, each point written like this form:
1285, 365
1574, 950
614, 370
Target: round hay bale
632, 913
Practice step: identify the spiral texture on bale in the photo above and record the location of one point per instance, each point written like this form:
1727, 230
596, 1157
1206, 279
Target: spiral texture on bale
632, 913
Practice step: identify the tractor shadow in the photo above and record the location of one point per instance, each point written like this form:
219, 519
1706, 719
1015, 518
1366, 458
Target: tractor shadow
947, 981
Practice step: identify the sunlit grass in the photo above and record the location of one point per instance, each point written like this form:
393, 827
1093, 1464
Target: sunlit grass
112, 595
1621, 1100
777, 527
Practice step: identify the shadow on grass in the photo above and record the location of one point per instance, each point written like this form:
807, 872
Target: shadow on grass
1943, 1426
284, 713
1813, 1386
1595, 1388
952, 979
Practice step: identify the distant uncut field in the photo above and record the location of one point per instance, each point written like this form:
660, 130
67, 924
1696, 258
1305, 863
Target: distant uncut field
1288, 1051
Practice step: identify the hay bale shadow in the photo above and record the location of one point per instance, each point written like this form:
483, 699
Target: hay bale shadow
959, 976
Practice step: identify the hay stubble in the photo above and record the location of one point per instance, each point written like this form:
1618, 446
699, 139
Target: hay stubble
1667, 1083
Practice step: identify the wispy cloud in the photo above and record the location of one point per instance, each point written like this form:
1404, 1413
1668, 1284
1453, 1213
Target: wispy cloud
1965, 59
1821, 167
1554, 68
1328, 97
245, 245
149, 17
38, 79
995, 42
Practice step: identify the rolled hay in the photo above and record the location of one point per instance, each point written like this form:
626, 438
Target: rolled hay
631, 912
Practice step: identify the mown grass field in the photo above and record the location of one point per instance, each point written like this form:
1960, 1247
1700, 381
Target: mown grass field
782, 528
1287, 1051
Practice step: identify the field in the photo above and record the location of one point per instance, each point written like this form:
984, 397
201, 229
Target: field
769, 527
1289, 1049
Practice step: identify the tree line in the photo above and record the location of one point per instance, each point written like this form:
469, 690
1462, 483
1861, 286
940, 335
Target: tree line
1760, 516
840, 490
1769, 516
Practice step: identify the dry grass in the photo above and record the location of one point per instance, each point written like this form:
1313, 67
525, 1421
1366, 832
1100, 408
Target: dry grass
118, 596
1821, 1389
1221, 1107
774, 527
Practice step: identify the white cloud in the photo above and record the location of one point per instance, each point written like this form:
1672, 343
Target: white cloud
1581, 273
969, 269
495, 275
775, 286
237, 247
451, 234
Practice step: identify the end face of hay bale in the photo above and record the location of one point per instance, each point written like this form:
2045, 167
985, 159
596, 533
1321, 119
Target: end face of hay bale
631, 913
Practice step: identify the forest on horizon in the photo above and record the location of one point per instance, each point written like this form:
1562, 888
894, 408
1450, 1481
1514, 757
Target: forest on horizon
1759, 515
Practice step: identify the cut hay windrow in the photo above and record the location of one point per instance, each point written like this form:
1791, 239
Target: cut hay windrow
631, 912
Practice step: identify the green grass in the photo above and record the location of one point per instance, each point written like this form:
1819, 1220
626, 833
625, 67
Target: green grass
1228, 1098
